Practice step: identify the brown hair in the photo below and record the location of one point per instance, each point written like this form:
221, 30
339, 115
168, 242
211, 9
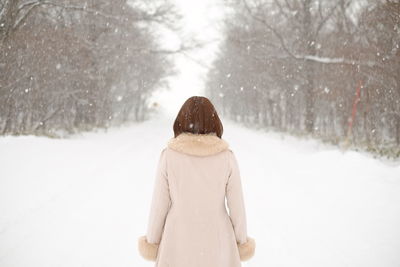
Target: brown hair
198, 115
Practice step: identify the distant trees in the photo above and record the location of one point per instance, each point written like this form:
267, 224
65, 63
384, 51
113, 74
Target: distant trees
296, 66
77, 64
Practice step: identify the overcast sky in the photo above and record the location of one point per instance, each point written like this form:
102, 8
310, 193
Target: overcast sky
202, 21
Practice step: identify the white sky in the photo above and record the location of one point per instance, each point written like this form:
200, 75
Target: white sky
201, 21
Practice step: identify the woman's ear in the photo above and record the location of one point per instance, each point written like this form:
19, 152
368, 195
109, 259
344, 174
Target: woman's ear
146, 249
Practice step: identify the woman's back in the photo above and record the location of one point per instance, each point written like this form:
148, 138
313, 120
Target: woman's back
197, 184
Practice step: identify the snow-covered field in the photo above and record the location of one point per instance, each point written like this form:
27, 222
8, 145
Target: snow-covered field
84, 201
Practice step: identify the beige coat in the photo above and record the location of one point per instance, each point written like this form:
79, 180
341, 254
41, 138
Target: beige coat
188, 224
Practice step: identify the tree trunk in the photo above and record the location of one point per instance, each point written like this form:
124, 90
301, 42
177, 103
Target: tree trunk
310, 50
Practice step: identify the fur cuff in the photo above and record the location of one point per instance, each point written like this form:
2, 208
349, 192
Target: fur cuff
246, 250
147, 250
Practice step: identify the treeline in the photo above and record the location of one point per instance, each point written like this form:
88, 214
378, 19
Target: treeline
72, 65
322, 68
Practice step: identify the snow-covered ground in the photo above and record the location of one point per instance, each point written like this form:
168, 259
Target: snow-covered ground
84, 201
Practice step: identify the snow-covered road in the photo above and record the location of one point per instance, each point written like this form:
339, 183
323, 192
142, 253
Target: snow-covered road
80, 201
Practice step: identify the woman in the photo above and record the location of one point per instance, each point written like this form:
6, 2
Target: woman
188, 224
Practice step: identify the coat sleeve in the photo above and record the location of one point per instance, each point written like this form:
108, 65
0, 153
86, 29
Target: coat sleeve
160, 202
237, 213
235, 201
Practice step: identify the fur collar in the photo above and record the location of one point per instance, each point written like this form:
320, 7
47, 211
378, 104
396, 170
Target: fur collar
198, 144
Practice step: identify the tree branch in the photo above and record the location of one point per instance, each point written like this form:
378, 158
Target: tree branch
325, 19
32, 6
281, 9
157, 16
265, 23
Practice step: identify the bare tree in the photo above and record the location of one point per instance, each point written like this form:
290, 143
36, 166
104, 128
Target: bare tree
313, 67
73, 65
